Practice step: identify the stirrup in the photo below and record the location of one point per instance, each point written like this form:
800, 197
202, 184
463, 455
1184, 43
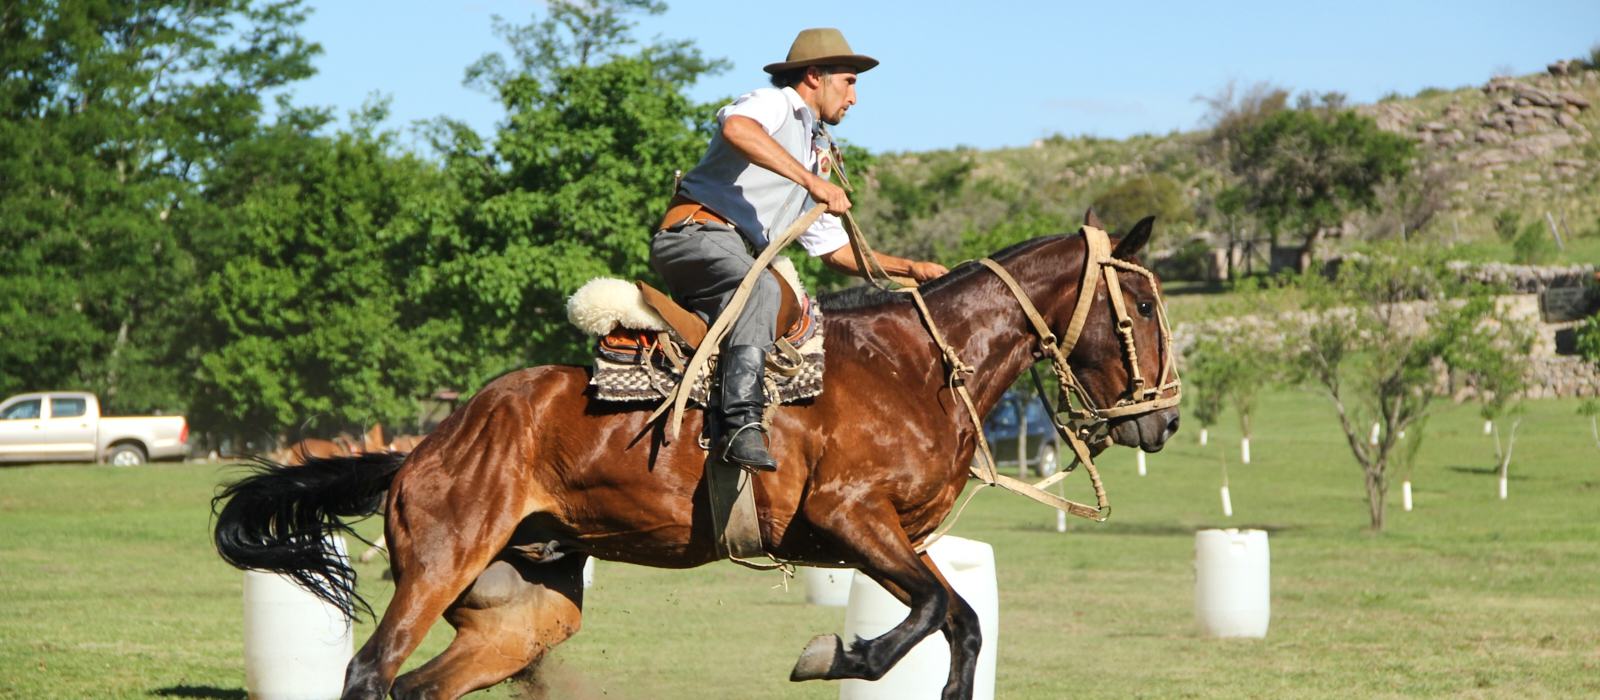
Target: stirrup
727, 444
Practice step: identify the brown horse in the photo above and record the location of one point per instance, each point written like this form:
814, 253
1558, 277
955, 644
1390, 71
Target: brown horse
479, 517
342, 445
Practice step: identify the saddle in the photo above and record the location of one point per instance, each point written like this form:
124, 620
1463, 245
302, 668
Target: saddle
644, 341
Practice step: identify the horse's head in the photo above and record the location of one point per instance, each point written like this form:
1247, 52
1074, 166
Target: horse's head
1123, 356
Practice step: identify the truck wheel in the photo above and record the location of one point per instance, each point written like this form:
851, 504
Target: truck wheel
1049, 460
126, 456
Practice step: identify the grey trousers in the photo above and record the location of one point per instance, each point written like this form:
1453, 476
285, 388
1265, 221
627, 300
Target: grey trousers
703, 265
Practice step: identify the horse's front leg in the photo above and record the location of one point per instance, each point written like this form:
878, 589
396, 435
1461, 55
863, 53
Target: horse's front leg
869, 532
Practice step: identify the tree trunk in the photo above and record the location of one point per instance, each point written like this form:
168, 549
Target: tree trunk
1377, 493
1307, 249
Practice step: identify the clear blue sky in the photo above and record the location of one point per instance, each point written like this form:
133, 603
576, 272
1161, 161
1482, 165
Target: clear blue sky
986, 74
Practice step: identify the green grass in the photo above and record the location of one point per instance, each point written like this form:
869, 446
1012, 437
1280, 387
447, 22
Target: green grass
109, 589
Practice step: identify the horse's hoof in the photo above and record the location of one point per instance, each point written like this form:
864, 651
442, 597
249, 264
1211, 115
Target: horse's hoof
817, 658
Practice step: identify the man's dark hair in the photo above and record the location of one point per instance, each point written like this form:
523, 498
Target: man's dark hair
793, 76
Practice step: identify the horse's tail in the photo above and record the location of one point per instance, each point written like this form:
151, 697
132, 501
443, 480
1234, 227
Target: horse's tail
279, 519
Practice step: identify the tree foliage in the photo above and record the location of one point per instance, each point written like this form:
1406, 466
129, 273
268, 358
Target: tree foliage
111, 115
572, 185
1305, 169
304, 318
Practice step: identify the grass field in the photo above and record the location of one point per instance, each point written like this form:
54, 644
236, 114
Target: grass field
109, 589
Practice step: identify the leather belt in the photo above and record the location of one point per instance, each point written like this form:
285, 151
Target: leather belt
682, 210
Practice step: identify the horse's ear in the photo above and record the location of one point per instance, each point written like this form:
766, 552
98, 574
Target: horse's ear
1131, 244
1089, 219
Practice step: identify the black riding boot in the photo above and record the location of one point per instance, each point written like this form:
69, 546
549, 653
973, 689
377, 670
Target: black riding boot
744, 439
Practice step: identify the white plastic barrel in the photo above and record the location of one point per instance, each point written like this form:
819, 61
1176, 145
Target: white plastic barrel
296, 646
969, 567
829, 587
1232, 583
1244, 450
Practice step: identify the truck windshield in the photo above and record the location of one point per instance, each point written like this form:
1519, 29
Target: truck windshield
22, 410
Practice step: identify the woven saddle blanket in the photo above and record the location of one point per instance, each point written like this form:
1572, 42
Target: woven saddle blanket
641, 355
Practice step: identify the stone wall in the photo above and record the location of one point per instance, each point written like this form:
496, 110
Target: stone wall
1549, 375
1524, 279
1561, 377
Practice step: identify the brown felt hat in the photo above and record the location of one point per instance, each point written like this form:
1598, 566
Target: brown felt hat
822, 47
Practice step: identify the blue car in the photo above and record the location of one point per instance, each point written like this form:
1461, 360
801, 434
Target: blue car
1002, 426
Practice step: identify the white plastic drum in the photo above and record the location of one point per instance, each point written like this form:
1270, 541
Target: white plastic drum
829, 587
921, 675
296, 646
1232, 583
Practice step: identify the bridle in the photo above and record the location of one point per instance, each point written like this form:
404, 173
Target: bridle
1085, 418
1141, 396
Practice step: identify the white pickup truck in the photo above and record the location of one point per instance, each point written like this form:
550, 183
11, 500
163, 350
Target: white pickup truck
66, 426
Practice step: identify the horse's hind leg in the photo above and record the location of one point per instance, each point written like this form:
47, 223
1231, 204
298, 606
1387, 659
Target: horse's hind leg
514, 613
443, 531
966, 640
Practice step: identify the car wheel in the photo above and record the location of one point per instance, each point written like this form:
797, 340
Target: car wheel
126, 456
1049, 460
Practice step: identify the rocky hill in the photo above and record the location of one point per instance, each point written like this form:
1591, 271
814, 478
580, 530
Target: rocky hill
1513, 144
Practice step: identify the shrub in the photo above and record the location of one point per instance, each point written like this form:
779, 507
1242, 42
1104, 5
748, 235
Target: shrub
1151, 195
1506, 223
1589, 339
1532, 245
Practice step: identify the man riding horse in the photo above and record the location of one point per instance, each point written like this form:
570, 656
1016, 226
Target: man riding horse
767, 164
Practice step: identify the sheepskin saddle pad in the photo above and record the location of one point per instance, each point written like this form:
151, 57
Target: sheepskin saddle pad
643, 341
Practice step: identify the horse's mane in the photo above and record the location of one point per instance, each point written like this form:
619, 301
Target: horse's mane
866, 296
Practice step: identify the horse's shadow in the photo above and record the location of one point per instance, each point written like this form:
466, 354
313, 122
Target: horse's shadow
201, 692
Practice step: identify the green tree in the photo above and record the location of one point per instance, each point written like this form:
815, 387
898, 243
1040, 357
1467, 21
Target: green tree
305, 323
576, 178
1305, 169
1380, 341
1229, 367
111, 114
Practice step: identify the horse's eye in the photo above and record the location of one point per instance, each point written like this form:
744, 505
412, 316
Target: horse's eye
1147, 309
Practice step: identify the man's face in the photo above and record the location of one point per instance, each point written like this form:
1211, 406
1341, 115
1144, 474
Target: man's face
835, 94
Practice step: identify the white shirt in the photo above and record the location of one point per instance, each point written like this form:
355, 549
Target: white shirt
769, 107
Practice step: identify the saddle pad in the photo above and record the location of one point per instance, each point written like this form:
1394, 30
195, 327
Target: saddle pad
632, 366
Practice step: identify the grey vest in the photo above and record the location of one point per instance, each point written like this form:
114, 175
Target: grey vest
759, 202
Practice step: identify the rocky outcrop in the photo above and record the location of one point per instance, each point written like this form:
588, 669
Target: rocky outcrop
1519, 122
